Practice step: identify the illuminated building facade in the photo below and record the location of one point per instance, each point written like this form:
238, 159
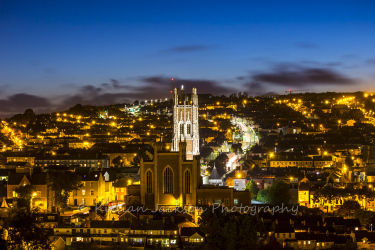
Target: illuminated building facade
185, 122
170, 179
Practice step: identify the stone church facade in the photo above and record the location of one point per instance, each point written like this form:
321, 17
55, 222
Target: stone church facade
173, 178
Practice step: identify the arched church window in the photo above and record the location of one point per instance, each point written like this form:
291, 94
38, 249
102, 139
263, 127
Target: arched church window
149, 182
187, 182
188, 129
168, 181
181, 128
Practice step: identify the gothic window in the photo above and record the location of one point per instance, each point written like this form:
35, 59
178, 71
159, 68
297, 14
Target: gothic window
187, 182
168, 180
181, 128
188, 129
149, 182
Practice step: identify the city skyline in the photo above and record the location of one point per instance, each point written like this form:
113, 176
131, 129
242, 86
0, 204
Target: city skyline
56, 55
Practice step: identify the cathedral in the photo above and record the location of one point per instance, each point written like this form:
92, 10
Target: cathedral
171, 178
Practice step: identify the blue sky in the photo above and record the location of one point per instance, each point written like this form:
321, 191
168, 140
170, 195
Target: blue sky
54, 54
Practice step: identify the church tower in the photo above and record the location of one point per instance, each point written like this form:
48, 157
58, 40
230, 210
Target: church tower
185, 122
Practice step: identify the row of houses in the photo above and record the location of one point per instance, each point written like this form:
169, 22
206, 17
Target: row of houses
96, 188
135, 232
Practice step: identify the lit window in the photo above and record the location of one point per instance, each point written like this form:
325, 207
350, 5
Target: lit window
149, 182
235, 202
83, 192
187, 182
168, 180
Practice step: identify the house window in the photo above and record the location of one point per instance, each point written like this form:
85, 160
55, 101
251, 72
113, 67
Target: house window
83, 192
117, 190
92, 192
149, 181
235, 201
91, 184
38, 194
236, 183
83, 201
187, 182
15, 194
168, 180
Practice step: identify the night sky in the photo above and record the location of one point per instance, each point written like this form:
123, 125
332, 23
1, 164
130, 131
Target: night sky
55, 54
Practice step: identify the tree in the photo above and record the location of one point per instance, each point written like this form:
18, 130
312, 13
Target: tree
264, 195
118, 161
211, 224
349, 162
326, 193
253, 188
365, 217
25, 194
62, 185
221, 163
137, 159
276, 195
236, 147
206, 151
348, 207
279, 193
25, 231
225, 230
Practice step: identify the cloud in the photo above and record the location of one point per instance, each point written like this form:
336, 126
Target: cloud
50, 70
91, 90
187, 48
294, 75
306, 45
21, 102
203, 86
370, 61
